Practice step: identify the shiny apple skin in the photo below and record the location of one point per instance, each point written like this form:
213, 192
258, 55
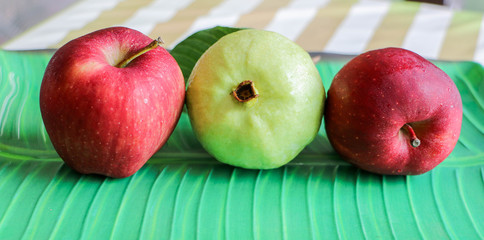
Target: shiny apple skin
107, 120
375, 94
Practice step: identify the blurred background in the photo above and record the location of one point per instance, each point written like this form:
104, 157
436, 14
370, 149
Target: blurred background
17, 16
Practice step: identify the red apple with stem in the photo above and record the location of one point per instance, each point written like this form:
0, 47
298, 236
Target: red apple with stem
390, 111
110, 99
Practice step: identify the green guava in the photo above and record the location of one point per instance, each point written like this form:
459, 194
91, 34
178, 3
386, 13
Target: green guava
255, 99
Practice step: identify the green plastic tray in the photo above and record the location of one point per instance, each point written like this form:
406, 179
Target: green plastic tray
183, 193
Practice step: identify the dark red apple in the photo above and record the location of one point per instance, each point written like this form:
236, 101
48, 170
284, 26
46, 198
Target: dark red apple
390, 111
110, 99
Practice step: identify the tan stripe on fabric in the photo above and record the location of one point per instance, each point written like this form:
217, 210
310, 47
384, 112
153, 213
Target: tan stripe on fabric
170, 31
262, 15
115, 16
461, 39
394, 27
324, 24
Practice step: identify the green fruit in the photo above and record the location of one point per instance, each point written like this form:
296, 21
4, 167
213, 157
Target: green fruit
255, 99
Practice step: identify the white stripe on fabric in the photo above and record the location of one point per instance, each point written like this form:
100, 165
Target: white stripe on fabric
479, 53
159, 11
308, 3
226, 13
54, 30
356, 30
292, 20
427, 32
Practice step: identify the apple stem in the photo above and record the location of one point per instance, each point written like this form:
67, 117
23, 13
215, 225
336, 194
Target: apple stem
414, 141
155, 43
245, 91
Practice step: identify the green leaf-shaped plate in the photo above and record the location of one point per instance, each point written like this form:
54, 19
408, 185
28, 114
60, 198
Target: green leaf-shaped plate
183, 193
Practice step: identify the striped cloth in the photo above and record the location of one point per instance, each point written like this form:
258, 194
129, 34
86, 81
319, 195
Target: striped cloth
334, 26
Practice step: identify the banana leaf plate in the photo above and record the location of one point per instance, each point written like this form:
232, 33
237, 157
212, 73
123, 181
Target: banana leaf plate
183, 193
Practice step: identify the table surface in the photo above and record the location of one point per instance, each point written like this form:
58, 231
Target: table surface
20, 15
338, 26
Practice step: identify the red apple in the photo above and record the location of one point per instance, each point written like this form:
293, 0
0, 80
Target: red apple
390, 111
110, 99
